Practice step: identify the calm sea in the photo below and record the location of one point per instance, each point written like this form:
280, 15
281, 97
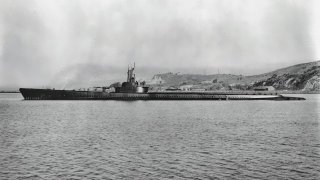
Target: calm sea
159, 139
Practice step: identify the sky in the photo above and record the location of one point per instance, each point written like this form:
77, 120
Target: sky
79, 43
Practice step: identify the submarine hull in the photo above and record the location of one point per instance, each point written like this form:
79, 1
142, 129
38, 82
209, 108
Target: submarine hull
50, 94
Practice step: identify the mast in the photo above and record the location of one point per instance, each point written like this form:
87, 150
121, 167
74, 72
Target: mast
131, 76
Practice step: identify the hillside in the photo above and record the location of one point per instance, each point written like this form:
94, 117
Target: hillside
303, 77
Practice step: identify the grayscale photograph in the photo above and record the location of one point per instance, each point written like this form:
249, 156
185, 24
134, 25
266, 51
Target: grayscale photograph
159, 89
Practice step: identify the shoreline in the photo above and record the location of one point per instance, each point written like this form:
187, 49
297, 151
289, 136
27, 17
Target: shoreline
279, 92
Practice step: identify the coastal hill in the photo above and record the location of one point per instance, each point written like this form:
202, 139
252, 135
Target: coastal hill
301, 77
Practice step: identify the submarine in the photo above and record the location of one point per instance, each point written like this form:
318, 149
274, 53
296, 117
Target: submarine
131, 90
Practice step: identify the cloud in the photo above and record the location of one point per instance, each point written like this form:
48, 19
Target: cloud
45, 40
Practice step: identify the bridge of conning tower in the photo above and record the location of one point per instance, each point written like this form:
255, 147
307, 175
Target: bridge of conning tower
131, 86
131, 76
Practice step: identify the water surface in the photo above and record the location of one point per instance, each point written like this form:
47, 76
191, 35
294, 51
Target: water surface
159, 139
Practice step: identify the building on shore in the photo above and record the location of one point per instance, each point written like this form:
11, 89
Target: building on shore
172, 88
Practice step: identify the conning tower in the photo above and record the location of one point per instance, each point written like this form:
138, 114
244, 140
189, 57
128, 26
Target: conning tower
132, 86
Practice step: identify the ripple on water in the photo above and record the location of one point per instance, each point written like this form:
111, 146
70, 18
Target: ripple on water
159, 140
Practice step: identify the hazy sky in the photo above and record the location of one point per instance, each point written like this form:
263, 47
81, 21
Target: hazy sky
69, 43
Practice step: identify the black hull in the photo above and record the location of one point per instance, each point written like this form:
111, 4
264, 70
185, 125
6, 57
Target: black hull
49, 94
